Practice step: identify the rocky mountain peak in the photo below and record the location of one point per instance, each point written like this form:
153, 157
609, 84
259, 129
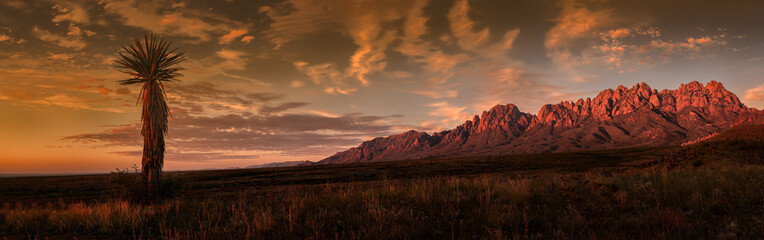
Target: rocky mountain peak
625, 116
714, 86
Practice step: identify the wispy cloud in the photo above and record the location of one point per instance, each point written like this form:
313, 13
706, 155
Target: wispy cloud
195, 128
61, 40
755, 94
160, 17
625, 48
367, 24
574, 23
463, 27
234, 34
71, 11
232, 59
448, 112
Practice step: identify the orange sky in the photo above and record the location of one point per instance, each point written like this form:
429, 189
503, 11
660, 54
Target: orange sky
293, 80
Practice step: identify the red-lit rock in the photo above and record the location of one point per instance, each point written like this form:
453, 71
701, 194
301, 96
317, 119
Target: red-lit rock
637, 116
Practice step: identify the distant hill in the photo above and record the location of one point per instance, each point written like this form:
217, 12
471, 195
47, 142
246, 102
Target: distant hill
747, 132
624, 117
280, 164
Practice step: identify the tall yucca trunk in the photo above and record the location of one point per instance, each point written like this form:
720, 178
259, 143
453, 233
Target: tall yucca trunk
150, 63
154, 119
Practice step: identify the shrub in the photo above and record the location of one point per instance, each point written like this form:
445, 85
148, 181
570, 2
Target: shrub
124, 185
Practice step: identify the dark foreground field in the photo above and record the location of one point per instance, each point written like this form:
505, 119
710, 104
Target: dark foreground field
711, 190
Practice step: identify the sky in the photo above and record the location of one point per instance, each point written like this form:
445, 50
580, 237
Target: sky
292, 80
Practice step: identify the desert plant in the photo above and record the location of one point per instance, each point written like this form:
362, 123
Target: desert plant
124, 185
151, 63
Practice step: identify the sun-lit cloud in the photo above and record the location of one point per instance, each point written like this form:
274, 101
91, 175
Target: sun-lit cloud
618, 33
448, 112
230, 54
234, 34
16, 4
64, 100
296, 84
71, 11
575, 22
463, 27
326, 75
61, 56
755, 94
483, 64
595, 37
247, 39
365, 23
76, 31
104, 90
60, 40
234, 133
155, 16
438, 94
625, 48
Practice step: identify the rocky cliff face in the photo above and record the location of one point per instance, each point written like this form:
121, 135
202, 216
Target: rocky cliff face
637, 116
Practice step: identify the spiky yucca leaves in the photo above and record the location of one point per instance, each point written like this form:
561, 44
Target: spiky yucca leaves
151, 62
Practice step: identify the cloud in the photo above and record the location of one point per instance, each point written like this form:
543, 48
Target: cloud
623, 48
230, 54
16, 4
4, 38
372, 27
205, 91
422, 51
296, 84
212, 123
478, 66
72, 102
282, 107
755, 94
435, 94
236, 33
327, 75
63, 41
71, 11
449, 112
247, 39
231, 133
445, 71
173, 155
575, 22
76, 31
61, 56
232, 59
158, 16
64, 100
462, 26
104, 90
368, 24
38, 82
617, 33
123, 91
584, 36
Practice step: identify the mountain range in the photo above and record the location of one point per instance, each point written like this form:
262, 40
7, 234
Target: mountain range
625, 117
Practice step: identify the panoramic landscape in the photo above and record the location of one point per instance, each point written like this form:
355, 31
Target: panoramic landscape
346, 119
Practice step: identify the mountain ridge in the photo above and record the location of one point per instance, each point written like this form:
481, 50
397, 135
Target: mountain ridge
621, 117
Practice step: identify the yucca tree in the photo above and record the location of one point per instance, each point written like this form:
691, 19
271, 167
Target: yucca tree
151, 62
